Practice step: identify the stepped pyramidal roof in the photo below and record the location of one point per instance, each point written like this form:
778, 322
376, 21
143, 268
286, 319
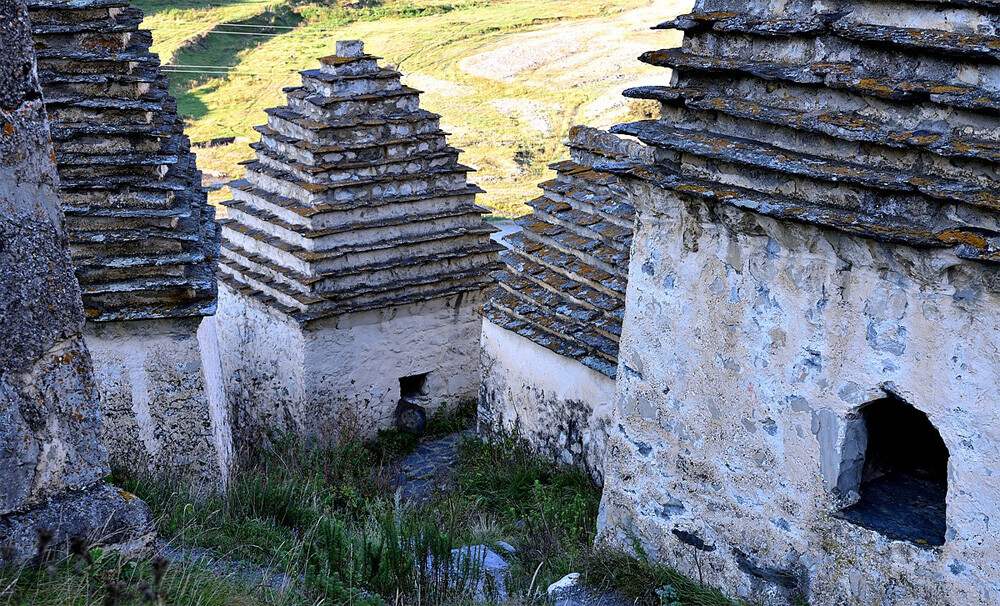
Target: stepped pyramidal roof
143, 238
354, 201
563, 286
851, 119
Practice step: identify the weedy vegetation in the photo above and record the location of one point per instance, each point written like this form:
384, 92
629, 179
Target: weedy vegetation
305, 525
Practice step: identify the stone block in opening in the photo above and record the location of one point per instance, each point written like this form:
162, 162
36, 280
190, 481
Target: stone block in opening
902, 479
413, 389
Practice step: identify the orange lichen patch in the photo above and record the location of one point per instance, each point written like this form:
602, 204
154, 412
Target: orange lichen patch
108, 44
923, 39
7, 129
338, 60
824, 67
710, 16
962, 236
127, 496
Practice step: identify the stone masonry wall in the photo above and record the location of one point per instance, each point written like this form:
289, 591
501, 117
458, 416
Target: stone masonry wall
748, 345
560, 298
340, 374
819, 231
52, 461
353, 256
142, 236
165, 410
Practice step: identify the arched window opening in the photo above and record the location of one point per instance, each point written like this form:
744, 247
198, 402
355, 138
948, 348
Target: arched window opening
903, 481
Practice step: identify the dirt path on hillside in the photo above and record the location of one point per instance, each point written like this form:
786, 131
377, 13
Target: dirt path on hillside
579, 53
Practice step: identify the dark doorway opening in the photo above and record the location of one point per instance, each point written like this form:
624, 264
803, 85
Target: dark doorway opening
903, 484
413, 388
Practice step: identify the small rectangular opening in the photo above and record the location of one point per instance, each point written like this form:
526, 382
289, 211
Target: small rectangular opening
413, 388
903, 486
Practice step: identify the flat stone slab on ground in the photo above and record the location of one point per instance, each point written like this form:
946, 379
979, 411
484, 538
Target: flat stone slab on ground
430, 467
569, 592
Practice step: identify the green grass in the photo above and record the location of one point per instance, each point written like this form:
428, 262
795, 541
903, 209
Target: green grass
115, 581
511, 128
329, 522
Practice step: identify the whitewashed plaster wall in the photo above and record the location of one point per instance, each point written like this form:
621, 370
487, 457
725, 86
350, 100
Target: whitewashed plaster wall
747, 342
558, 405
342, 373
165, 411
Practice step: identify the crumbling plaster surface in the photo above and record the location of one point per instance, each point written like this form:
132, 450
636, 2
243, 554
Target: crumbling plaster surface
561, 407
165, 413
747, 343
322, 377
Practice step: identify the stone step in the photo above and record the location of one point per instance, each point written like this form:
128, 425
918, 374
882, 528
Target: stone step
612, 260
449, 179
577, 195
360, 171
508, 319
64, 5
350, 66
361, 218
125, 204
840, 125
605, 312
355, 279
568, 319
588, 224
109, 42
528, 320
969, 242
326, 215
151, 100
56, 22
953, 44
380, 151
329, 85
140, 74
398, 294
145, 284
389, 273
104, 60
337, 258
721, 21
763, 156
321, 108
838, 76
352, 234
568, 264
356, 130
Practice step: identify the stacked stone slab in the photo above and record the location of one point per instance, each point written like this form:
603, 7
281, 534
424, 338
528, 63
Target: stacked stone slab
52, 462
818, 233
353, 256
550, 343
143, 238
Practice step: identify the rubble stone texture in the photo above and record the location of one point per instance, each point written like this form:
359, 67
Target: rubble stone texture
50, 420
353, 256
553, 321
143, 238
819, 231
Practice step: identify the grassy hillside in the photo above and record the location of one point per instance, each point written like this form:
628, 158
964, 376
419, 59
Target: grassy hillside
508, 76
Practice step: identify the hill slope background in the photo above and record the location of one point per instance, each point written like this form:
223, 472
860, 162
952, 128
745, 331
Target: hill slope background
509, 77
